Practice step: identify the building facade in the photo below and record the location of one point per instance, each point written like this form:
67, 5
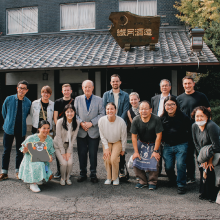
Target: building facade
67, 41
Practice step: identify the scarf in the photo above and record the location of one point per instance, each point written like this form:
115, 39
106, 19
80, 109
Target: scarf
135, 110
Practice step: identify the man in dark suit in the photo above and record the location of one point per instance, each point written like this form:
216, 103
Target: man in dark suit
157, 100
157, 103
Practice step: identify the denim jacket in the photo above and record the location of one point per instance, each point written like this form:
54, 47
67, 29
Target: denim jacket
35, 111
123, 102
9, 112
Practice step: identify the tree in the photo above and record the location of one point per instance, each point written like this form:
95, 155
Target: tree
204, 14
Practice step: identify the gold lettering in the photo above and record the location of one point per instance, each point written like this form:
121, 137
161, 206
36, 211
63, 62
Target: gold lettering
139, 32
148, 32
130, 31
121, 32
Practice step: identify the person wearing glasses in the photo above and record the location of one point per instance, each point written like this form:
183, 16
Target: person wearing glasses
157, 103
177, 131
146, 130
15, 110
42, 109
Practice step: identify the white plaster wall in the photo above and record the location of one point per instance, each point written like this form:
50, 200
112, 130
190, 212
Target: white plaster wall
72, 76
33, 77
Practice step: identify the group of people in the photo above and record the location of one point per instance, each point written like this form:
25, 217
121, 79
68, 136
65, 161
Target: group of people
168, 127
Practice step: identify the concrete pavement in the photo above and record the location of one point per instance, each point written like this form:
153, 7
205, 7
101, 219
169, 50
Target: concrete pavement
98, 201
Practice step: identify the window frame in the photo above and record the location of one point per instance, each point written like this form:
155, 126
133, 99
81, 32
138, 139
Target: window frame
10, 9
137, 5
77, 3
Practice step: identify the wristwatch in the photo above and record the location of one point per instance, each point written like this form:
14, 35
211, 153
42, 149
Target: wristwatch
156, 151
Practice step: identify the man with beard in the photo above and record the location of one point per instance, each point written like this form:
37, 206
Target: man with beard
121, 100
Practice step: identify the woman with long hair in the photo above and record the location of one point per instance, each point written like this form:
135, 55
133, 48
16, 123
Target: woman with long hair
66, 133
175, 142
35, 172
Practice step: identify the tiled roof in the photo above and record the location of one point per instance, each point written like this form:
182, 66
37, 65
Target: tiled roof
96, 49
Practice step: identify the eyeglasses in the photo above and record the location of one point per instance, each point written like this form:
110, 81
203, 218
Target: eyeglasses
170, 105
45, 92
144, 109
22, 88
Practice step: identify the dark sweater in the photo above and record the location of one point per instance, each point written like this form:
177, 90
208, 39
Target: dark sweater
210, 136
177, 129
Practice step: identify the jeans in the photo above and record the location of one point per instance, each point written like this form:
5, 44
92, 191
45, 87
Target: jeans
169, 154
85, 145
7, 143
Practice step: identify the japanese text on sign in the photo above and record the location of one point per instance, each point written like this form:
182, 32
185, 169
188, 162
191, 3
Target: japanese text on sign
134, 32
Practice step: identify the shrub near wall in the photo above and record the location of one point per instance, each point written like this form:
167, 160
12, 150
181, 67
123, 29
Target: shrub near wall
216, 115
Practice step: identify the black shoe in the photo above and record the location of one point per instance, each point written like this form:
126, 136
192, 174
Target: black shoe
212, 201
81, 179
57, 175
181, 190
94, 180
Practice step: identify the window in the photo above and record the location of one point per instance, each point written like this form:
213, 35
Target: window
139, 7
22, 20
77, 16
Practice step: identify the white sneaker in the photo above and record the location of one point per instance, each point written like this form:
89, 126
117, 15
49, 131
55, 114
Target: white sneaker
116, 182
108, 182
69, 182
62, 182
40, 183
34, 188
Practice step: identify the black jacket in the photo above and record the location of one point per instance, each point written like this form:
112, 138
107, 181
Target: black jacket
155, 103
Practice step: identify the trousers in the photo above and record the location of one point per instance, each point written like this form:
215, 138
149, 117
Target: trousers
65, 166
7, 143
169, 154
153, 176
85, 145
112, 163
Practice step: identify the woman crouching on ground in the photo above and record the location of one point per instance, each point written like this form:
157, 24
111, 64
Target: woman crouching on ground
206, 134
113, 133
35, 172
66, 132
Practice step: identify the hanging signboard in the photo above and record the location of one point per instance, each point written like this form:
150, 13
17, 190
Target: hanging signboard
130, 30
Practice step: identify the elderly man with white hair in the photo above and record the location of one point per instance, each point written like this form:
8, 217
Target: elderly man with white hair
89, 109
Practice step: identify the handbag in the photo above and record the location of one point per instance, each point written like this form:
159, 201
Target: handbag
127, 176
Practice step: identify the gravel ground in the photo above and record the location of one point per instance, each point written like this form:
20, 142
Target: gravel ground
98, 201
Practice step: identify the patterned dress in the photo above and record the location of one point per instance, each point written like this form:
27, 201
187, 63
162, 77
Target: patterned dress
33, 172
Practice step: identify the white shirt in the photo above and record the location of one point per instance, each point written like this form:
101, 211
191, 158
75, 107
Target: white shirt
160, 108
116, 96
112, 132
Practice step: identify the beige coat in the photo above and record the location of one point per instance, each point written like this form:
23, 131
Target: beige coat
61, 135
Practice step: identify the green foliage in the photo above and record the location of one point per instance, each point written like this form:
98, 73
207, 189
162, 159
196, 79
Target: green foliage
216, 115
209, 84
214, 103
212, 38
203, 14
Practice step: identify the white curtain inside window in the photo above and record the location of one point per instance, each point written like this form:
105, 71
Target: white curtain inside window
22, 20
144, 8
78, 16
